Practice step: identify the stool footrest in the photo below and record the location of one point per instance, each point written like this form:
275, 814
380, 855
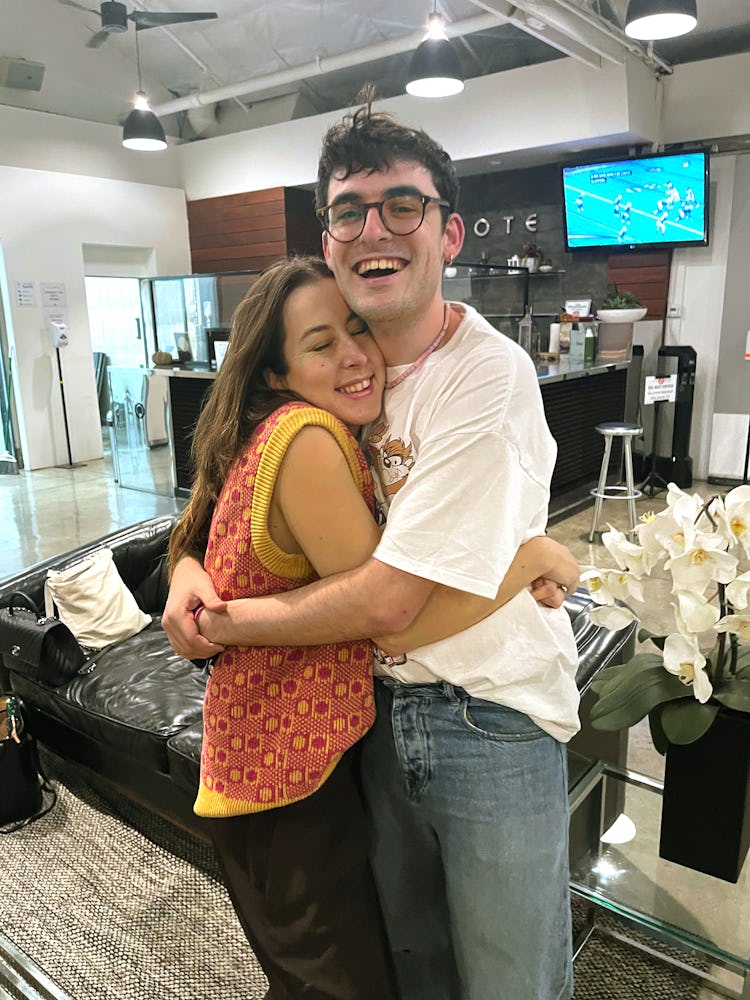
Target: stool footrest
621, 493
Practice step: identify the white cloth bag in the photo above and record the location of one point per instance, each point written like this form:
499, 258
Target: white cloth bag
93, 602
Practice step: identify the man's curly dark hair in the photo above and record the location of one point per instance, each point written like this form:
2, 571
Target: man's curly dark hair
367, 141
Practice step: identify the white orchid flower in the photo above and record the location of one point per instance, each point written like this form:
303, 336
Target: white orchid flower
738, 592
612, 617
683, 506
693, 613
737, 506
638, 560
739, 624
609, 585
651, 536
666, 533
700, 564
683, 658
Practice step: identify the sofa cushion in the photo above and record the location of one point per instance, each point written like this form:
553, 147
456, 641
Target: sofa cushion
184, 756
139, 694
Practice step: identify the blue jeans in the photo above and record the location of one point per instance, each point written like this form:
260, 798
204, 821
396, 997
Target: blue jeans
469, 813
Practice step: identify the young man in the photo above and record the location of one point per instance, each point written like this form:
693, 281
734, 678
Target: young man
465, 770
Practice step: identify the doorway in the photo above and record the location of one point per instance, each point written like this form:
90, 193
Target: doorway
132, 403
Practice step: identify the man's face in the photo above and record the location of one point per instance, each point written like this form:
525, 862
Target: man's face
389, 279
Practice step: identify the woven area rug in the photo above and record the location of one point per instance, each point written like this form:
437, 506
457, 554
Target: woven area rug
110, 914
113, 903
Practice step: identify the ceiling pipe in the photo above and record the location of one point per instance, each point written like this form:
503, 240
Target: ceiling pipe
406, 43
647, 55
575, 22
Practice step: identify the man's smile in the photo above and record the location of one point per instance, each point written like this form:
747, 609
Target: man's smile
377, 267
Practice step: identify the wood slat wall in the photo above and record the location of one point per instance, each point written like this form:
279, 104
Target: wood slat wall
644, 274
247, 231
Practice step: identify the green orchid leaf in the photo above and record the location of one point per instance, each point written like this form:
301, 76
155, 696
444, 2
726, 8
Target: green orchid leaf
631, 700
624, 673
735, 692
658, 735
687, 720
658, 640
743, 661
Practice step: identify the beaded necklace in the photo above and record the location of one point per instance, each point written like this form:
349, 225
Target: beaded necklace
426, 353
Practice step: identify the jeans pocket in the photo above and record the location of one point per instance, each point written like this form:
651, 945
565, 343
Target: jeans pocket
498, 722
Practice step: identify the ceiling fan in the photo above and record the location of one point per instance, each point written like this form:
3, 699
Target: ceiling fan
115, 17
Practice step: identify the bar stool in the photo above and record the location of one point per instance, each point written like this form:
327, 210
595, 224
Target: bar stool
612, 429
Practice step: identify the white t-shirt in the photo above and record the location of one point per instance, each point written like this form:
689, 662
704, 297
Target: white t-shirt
462, 462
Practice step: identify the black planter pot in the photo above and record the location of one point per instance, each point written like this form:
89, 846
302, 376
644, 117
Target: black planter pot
705, 822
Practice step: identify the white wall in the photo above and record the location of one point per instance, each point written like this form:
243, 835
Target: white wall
707, 100
43, 141
46, 218
731, 417
697, 284
559, 103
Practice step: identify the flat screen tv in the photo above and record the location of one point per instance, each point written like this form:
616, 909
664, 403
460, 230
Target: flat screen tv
637, 204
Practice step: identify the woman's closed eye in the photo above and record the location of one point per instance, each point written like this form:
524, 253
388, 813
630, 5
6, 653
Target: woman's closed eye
359, 329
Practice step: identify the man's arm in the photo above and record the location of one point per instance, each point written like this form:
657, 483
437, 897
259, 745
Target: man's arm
189, 588
373, 599
542, 564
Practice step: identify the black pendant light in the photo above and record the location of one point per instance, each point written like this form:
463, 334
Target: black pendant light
650, 20
142, 129
434, 70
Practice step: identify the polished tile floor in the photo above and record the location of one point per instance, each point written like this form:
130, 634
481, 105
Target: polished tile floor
53, 510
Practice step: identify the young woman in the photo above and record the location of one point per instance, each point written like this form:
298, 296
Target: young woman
282, 496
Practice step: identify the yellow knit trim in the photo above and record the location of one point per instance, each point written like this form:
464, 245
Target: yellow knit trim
294, 566
214, 805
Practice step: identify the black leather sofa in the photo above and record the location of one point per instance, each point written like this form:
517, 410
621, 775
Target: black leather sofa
135, 718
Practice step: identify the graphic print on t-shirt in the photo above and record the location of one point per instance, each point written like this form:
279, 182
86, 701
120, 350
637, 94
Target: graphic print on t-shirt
392, 461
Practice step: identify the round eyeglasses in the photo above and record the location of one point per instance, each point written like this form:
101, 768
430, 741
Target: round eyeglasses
401, 214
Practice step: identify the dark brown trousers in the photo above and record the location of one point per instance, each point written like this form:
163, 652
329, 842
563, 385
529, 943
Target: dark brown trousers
301, 885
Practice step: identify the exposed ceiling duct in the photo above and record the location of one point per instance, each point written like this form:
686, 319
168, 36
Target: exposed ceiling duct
328, 64
562, 24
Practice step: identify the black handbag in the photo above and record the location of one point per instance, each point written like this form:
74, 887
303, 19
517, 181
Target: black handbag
41, 648
22, 782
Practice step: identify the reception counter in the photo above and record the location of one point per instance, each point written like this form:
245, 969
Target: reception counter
576, 397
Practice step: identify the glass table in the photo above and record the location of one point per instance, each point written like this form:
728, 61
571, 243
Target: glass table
682, 908
20, 976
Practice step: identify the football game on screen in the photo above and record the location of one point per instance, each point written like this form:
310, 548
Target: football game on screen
652, 200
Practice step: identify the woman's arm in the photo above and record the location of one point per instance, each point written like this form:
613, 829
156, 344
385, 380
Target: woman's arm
448, 611
190, 587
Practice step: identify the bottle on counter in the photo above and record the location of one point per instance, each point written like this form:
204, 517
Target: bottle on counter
554, 338
525, 326
589, 345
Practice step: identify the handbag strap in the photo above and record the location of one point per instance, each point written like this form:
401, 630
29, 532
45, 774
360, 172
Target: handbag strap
19, 599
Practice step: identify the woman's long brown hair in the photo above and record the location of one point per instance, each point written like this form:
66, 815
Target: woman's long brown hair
240, 397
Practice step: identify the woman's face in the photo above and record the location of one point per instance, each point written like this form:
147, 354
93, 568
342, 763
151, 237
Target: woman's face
333, 361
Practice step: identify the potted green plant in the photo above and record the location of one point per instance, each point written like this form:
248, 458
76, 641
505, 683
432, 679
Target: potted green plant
691, 566
530, 256
620, 307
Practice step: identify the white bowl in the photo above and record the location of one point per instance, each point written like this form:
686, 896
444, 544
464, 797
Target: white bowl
621, 315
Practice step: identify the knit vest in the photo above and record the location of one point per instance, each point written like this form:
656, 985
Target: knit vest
276, 719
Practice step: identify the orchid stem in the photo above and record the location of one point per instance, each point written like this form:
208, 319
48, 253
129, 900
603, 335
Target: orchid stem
719, 671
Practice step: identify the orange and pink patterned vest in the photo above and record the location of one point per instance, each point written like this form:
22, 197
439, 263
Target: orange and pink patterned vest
276, 719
